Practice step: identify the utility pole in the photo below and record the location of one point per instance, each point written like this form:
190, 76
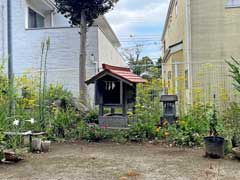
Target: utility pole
10, 63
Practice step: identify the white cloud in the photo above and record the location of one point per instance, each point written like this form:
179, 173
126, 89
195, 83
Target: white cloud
131, 14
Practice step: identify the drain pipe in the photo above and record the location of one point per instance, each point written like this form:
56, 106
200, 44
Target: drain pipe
10, 63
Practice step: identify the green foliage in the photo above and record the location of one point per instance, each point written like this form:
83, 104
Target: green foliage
141, 66
3, 82
145, 67
91, 116
58, 92
148, 111
63, 123
148, 106
189, 129
231, 120
235, 72
92, 133
213, 121
72, 9
43, 81
142, 131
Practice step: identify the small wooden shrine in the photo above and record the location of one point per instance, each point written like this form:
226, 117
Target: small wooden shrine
169, 108
115, 89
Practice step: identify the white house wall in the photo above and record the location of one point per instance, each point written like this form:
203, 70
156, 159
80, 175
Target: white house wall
63, 57
3, 29
107, 52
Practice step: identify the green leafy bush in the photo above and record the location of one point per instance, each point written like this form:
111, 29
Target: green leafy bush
189, 129
91, 116
148, 107
231, 120
148, 111
57, 92
92, 133
63, 122
142, 131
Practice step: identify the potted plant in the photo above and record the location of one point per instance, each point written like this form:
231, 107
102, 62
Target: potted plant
214, 144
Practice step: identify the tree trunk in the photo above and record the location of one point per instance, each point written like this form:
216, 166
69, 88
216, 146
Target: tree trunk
82, 60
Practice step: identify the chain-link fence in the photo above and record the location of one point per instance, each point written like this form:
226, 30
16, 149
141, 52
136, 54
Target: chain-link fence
200, 82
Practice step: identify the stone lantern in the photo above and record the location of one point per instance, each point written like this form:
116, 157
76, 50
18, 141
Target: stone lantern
169, 108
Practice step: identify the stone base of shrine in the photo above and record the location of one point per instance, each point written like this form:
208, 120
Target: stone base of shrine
113, 121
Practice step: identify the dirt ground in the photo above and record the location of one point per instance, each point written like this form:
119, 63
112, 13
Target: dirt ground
106, 161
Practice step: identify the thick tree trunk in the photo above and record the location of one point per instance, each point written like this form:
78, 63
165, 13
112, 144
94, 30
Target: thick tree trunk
82, 60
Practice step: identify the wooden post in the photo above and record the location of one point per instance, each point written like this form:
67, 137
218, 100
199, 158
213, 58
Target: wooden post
124, 104
112, 110
101, 110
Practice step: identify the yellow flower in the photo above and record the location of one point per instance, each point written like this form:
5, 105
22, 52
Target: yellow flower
166, 133
182, 122
165, 123
158, 129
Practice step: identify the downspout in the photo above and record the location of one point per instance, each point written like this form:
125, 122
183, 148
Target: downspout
10, 64
9, 36
188, 47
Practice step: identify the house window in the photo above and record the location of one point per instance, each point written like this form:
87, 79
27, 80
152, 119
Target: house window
35, 20
176, 8
233, 3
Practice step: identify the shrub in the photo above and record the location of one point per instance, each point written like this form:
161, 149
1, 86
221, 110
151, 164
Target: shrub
142, 131
189, 130
148, 106
148, 111
57, 92
62, 123
231, 120
91, 116
93, 133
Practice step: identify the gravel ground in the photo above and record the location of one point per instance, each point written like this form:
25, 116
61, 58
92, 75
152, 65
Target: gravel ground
106, 161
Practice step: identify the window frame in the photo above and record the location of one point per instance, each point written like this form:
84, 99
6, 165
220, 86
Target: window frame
37, 14
230, 4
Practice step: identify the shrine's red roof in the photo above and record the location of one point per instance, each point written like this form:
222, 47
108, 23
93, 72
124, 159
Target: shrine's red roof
121, 72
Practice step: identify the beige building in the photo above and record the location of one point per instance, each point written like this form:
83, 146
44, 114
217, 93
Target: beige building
198, 36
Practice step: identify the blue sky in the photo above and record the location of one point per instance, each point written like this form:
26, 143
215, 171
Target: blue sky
139, 22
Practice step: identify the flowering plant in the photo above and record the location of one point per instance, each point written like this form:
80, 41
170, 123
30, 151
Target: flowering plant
14, 139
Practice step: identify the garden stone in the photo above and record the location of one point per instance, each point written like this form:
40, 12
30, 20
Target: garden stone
37, 144
45, 146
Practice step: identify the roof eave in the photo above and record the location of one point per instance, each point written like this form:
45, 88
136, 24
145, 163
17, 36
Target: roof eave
103, 24
167, 19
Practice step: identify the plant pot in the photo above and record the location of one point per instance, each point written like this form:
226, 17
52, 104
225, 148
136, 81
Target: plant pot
214, 146
37, 144
11, 156
46, 146
236, 152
